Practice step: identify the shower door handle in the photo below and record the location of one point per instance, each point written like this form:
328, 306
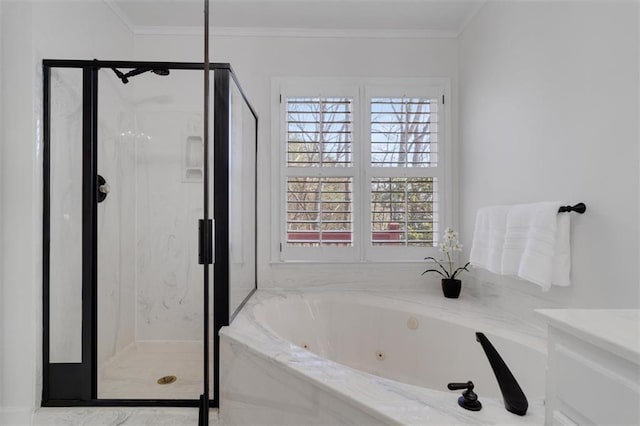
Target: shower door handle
205, 242
103, 189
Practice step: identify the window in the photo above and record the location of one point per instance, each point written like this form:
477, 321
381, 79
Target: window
362, 169
319, 136
319, 211
402, 212
319, 132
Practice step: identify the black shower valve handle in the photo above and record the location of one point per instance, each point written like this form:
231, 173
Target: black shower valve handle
103, 189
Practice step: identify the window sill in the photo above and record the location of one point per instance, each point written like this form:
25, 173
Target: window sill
346, 262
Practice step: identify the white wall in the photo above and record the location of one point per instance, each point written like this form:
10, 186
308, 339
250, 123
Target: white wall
18, 189
30, 32
256, 61
549, 110
2, 319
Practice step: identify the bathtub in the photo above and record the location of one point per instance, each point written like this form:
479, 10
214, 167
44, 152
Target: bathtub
354, 357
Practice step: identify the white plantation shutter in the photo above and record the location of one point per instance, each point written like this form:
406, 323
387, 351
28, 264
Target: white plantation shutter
403, 175
404, 132
319, 132
403, 212
319, 211
363, 169
404, 138
319, 173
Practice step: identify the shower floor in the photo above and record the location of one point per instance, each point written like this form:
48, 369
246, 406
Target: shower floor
133, 373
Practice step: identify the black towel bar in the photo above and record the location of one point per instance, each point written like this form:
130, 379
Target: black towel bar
578, 208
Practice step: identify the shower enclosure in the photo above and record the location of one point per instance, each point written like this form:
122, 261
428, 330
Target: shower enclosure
126, 243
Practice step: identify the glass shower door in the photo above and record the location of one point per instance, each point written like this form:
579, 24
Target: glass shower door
124, 191
66, 335
242, 198
234, 211
149, 282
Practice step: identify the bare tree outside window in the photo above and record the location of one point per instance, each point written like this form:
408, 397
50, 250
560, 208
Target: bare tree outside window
319, 205
403, 134
319, 134
402, 212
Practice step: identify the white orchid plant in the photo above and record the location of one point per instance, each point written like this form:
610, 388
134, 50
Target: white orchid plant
448, 245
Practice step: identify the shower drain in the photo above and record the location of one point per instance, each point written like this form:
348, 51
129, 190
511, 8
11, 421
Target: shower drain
166, 380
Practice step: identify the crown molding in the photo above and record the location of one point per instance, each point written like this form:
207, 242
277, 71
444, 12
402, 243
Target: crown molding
294, 32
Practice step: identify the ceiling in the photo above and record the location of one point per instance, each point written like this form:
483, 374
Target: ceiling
443, 17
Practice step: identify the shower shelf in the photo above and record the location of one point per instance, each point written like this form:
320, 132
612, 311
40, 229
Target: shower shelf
192, 159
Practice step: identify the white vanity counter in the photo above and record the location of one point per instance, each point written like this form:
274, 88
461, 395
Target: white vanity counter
614, 330
593, 375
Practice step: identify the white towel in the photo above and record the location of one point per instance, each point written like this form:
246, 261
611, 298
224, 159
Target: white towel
488, 238
529, 241
536, 244
562, 260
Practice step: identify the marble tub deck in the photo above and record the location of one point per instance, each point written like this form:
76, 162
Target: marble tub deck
249, 346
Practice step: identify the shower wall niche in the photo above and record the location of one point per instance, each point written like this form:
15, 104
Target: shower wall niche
123, 286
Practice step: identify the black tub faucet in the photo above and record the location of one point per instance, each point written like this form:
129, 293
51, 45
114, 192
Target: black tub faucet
515, 400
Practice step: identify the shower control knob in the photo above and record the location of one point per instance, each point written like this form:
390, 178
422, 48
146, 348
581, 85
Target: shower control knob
103, 189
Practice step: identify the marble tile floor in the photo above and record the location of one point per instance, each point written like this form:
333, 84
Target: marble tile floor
133, 373
115, 416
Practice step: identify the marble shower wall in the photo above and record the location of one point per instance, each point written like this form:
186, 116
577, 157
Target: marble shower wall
168, 303
169, 204
116, 217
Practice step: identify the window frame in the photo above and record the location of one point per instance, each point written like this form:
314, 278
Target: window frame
382, 253
361, 169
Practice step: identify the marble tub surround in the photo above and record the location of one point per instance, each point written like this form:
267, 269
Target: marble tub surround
116, 416
266, 379
506, 296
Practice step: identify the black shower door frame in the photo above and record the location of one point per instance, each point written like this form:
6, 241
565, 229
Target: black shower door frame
75, 384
